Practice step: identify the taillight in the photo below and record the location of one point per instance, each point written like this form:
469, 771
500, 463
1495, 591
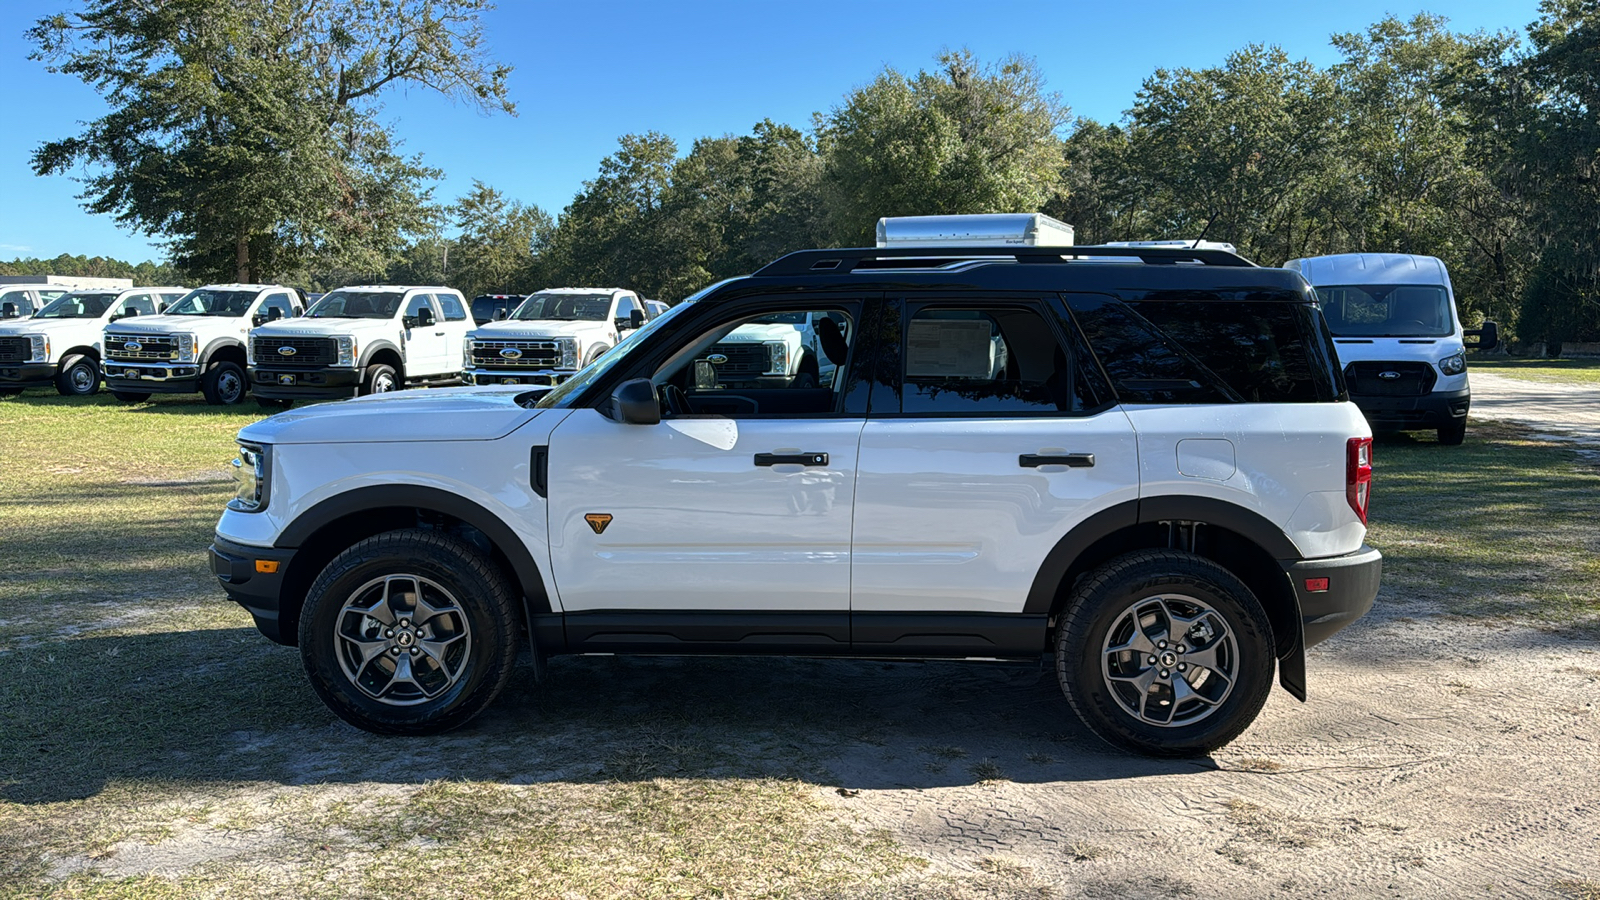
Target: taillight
1358, 475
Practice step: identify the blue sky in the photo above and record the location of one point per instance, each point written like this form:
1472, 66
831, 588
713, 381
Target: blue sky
589, 72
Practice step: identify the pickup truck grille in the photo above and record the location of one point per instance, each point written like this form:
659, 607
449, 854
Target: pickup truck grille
151, 347
14, 349
1389, 379
745, 360
534, 355
309, 352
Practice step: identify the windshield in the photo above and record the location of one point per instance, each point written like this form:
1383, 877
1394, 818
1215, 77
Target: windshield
205, 302
565, 307
357, 305
77, 306
574, 386
1387, 310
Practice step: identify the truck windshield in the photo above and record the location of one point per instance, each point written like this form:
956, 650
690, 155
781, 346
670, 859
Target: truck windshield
357, 305
565, 307
77, 306
1386, 310
203, 302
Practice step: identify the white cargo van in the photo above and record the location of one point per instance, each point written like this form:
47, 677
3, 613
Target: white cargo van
1395, 325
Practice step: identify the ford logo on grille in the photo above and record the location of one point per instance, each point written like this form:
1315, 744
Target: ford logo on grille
135, 346
717, 359
511, 353
286, 351
1389, 376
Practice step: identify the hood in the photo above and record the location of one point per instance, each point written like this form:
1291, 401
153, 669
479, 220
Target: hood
323, 327
534, 329
1428, 350
177, 324
448, 414
746, 334
36, 325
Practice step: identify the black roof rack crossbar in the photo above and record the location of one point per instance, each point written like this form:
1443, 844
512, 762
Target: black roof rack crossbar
839, 262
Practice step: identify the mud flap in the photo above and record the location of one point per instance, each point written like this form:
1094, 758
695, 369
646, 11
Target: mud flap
1292, 669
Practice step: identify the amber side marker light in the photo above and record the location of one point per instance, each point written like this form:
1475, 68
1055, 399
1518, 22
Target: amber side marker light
266, 566
1313, 585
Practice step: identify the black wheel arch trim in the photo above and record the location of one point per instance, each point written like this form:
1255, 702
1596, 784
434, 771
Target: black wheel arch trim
531, 583
221, 343
1211, 511
367, 353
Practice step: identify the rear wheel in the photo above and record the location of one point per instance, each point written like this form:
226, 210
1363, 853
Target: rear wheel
1165, 653
409, 632
1453, 434
79, 377
379, 379
223, 384
131, 396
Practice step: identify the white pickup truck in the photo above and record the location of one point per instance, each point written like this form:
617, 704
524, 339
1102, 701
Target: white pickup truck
552, 335
361, 340
60, 344
23, 300
198, 344
784, 350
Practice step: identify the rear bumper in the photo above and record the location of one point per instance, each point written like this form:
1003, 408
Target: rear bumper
1335, 591
304, 384
27, 374
1434, 410
260, 593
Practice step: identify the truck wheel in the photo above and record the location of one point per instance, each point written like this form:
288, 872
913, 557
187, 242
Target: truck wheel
807, 374
79, 377
1453, 434
223, 384
1164, 653
409, 632
379, 379
131, 396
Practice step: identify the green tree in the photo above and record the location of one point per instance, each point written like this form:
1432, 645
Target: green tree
245, 132
604, 235
497, 243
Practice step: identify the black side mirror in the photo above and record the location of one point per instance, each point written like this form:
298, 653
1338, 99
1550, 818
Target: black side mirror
636, 319
635, 402
274, 313
1488, 337
501, 313
424, 317
8, 310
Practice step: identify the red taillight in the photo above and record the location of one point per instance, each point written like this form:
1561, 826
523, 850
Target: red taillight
1358, 475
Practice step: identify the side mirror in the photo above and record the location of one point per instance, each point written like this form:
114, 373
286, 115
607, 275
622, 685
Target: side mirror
501, 313
8, 310
424, 317
1488, 337
274, 313
635, 402
636, 319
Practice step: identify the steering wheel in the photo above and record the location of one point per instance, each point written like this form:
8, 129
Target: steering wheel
675, 400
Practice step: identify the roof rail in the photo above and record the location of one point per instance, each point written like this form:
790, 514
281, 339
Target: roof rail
879, 259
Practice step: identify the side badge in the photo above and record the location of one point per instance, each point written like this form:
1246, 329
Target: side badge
598, 521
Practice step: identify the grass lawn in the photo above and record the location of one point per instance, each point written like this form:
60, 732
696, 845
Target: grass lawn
1560, 371
152, 744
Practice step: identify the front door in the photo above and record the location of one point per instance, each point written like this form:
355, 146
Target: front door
425, 344
726, 525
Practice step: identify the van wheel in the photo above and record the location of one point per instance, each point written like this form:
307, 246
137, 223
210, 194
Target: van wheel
1165, 653
379, 379
223, 384
1453, 434
131, 396
409, 632
79, 377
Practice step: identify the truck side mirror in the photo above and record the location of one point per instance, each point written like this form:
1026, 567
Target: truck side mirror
635, 402
8, 310
501, 313
274, 313
636, 319
424, 317
1488, 337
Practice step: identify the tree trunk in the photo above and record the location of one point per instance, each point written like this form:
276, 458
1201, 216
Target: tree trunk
241, 253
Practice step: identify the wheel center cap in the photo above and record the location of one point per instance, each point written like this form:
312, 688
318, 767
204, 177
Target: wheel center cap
404, 639
1169, 659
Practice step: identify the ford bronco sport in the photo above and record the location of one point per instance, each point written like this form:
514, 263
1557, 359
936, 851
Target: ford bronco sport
1148, 470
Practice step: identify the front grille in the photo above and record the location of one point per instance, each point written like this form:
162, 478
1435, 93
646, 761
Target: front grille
745, 360
309, 352
15, 349
151, 347
534, 354
1389, 379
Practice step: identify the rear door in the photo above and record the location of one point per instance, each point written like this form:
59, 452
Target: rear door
988, 440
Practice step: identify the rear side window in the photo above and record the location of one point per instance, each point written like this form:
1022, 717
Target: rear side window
1209, 348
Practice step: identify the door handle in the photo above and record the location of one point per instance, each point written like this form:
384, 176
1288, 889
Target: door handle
1075, 460
791, 459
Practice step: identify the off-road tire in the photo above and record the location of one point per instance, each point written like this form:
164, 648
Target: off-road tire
479, 587
224, 384
131, 396
1454, 434
378, 375
70, 382
1099, 602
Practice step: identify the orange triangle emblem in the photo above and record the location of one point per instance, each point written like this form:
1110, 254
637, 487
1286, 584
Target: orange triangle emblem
598, 521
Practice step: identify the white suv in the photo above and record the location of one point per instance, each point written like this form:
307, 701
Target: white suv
1149, 471
361, 340
60, 344
552, 335
198, 344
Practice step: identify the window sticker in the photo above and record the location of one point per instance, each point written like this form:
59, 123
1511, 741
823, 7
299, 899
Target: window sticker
949, 348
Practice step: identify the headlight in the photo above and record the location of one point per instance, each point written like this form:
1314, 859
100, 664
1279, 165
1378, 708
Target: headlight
38, 348
466, 353
250, 470
250, 350
569, 353
777, 358
1453, 365
184, 351
347, 351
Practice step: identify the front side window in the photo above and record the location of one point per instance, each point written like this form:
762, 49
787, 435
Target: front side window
138, 305
356, 305
986, 361
565, 307
417, 304
204, 302
1387, 310
78, 305
21, 303
781, 363
283, 303
454, 309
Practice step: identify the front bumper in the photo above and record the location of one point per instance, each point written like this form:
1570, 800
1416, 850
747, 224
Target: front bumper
1434, 410
260, 593
549, 377
304, 384
27, 374
1335, 591
181, 378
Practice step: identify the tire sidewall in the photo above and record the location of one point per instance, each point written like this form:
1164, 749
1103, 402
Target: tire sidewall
375, 373
212, 386
65, 381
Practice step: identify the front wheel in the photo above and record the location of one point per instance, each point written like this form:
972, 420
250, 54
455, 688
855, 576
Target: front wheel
223, 384
1454, 434
379, 379
79, 377
1165, 653
408, 632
